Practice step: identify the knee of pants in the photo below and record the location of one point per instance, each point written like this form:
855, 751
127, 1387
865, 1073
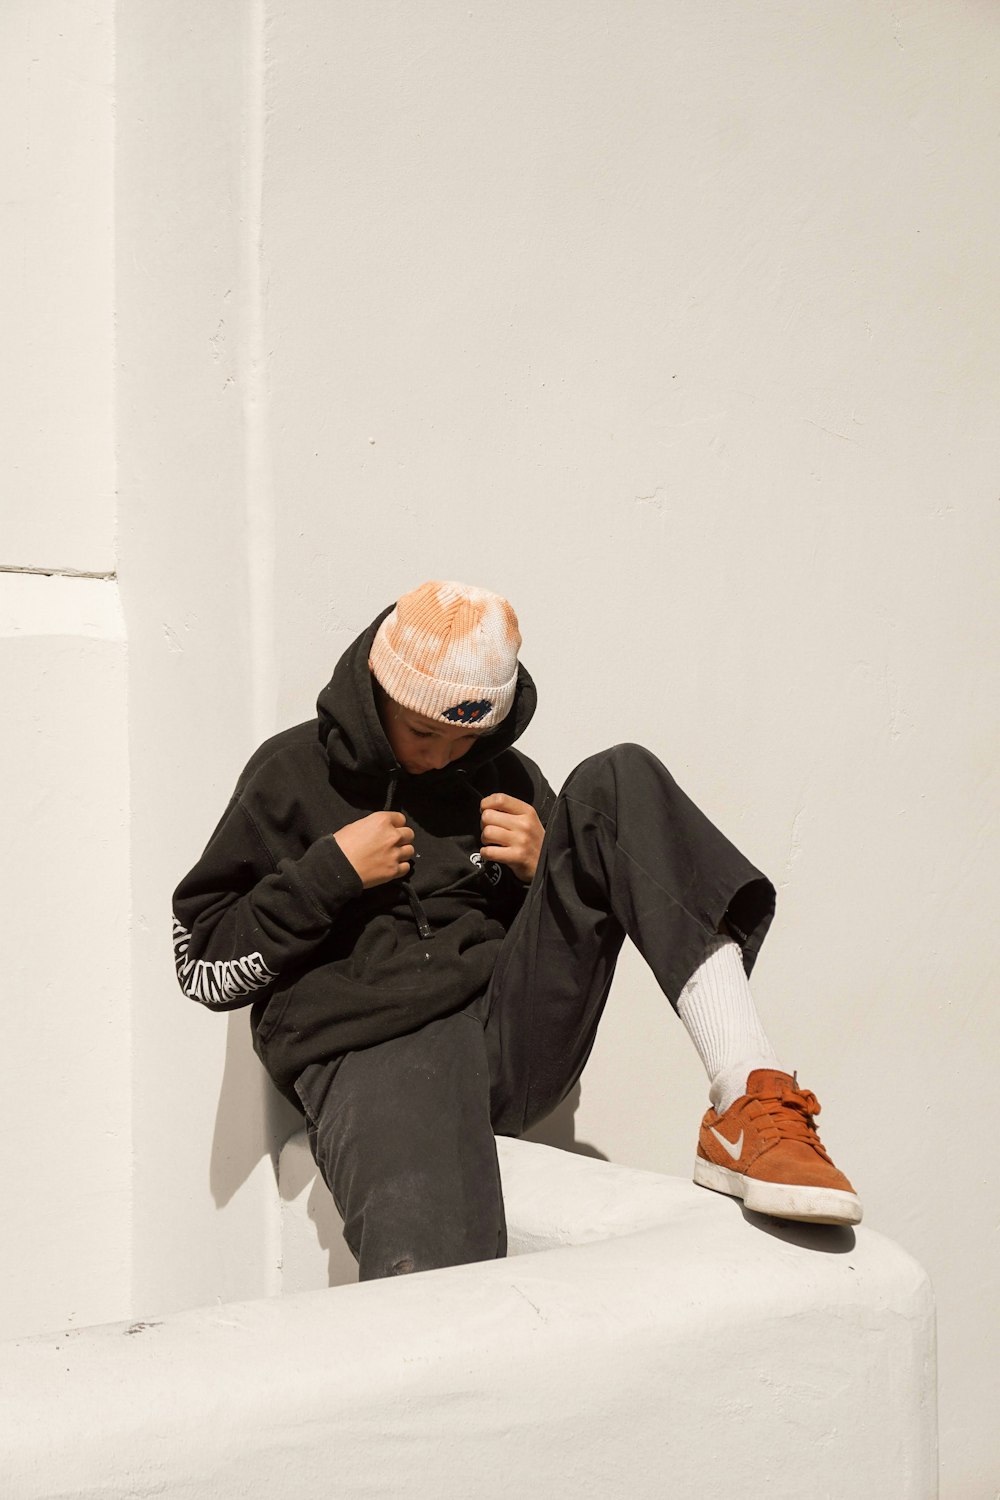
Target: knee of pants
626, 759
405, 1144
415, 1226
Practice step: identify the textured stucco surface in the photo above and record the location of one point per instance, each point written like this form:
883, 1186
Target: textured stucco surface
57, 286
65, 1084
65, 1075
678, 325
205, 1210
595, 1369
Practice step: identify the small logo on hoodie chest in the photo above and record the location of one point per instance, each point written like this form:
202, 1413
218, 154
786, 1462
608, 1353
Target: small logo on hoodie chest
487, 867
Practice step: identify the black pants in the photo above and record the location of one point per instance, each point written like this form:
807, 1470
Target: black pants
403, 1132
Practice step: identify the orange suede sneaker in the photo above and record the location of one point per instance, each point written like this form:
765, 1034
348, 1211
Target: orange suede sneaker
765, 1150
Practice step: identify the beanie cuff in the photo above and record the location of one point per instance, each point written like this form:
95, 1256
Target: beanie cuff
469, 704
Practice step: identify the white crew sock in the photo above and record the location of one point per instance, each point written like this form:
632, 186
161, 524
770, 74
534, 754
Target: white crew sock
721, 1018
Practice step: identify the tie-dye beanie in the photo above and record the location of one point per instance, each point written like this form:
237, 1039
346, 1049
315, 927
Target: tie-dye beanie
449, 651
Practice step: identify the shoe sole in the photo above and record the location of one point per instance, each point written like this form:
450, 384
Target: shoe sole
814, 1205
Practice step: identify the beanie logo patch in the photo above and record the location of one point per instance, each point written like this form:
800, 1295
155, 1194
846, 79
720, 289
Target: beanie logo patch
467, 712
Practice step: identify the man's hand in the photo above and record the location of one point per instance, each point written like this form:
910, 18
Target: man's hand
379, 847
512, 834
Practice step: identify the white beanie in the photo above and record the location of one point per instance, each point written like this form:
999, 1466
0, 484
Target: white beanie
449, 651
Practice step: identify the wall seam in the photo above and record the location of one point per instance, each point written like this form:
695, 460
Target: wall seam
257, 457
130, 872
58, 572
258, 487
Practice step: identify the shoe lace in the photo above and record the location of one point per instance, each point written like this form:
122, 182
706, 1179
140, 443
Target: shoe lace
792, 1113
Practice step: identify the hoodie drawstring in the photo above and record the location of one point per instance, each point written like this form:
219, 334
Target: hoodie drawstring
419, 915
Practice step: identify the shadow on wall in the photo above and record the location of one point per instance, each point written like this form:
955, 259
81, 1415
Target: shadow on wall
252, 1120
559, 1129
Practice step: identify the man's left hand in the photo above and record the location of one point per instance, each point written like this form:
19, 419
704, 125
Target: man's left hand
512, 834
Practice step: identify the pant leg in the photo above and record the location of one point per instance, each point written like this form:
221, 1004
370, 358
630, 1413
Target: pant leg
401, 1133
626, 853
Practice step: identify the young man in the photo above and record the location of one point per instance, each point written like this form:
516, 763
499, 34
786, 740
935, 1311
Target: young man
427, 935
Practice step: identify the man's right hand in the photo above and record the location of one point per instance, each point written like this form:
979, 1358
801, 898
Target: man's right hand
380, 847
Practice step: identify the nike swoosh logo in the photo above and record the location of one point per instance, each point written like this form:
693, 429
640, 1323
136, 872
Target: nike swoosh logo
735, 1149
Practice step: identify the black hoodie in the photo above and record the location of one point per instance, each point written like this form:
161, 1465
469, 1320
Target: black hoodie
274, 915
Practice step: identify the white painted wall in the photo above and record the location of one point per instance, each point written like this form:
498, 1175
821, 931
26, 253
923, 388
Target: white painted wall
65, 1085
194, 586
677, 324
56, 374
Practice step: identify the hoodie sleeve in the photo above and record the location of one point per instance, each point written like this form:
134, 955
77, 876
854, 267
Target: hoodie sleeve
241, 919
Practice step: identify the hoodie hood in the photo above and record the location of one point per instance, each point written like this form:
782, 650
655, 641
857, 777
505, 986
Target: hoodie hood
351, 732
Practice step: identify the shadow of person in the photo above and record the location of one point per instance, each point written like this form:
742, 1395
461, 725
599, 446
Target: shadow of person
341, 1267
252, 1120
831, 1239
299, 1172
559, 1129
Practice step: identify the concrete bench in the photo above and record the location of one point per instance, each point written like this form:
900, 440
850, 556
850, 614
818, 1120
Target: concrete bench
662, 1345
815, 1344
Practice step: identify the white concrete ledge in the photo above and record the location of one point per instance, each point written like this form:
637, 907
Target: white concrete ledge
705, 1357
552, 1198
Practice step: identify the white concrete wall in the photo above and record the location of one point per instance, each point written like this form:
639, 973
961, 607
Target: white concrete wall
56, 375
677, 324
194, 574
65, 1085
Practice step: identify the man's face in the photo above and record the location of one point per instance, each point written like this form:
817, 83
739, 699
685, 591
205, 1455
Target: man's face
418, 743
